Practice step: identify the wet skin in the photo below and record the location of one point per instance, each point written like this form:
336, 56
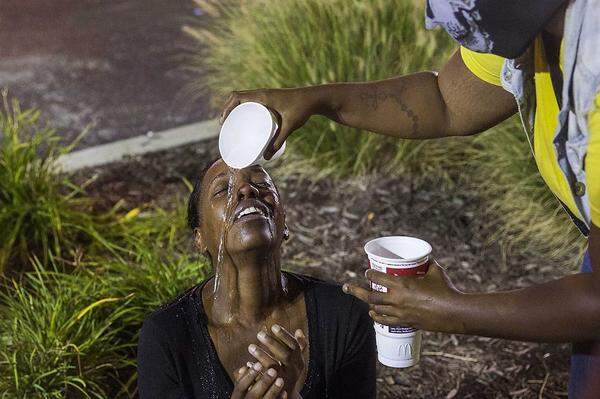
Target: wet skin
255, 314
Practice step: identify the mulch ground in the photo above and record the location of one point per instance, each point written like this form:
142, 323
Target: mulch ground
329, 223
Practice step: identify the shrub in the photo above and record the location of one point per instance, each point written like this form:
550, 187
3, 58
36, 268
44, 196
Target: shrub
153, 276
151, 223
74, 335
520, 210
41, 211
291, 43
59, 336
64, 335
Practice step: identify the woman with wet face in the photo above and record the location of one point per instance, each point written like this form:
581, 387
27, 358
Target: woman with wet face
253, 330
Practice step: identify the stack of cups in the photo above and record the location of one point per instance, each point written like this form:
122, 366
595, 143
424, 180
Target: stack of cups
398, 346
245, 135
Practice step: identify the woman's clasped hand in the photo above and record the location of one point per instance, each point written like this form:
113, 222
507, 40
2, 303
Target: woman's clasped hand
278, 369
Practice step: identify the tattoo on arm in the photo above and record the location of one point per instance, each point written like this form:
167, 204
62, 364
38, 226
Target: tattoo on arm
374, 97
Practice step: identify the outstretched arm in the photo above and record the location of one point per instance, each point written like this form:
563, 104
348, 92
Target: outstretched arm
563, 310
422, 105
419, 106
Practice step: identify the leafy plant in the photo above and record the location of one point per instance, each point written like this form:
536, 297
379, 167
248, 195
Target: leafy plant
291, 43
41, 212
59, 336
153, 224
65, 334
153, 276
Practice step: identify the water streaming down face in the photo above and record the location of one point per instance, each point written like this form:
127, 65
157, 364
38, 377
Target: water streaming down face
234, 238
227, 222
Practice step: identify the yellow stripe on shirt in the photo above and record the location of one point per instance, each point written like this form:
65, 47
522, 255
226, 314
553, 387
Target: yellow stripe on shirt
544, 127
486, 67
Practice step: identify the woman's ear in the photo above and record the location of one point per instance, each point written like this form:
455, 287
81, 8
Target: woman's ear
199, 241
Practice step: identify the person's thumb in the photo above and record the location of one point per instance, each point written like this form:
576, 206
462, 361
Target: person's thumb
435, 270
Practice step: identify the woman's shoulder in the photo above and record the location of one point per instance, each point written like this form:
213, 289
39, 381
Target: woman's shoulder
329, 295
338, 319
176, 313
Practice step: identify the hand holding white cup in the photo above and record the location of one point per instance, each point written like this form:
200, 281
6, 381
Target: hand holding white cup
246, 134
399, 256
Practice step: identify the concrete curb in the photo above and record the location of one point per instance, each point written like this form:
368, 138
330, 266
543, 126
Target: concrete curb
144, 144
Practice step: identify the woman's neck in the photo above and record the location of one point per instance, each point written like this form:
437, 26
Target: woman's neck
245, 289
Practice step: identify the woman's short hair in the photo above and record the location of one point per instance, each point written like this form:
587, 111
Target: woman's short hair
194, 216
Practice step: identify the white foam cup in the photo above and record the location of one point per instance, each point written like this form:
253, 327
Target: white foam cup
245, 135
398, 346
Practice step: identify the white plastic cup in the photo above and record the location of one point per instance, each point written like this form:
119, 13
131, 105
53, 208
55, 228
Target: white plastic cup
398, 346
245, 135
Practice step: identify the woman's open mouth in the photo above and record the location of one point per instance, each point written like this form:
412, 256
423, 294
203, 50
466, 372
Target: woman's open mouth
251, 212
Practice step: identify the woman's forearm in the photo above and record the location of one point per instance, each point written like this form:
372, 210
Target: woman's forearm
564, 310
418, 106
407, 106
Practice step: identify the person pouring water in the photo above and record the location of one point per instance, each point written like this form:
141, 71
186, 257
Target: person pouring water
539, 58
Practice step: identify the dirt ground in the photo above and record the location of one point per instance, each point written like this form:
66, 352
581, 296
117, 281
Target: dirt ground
114, 65
329, 223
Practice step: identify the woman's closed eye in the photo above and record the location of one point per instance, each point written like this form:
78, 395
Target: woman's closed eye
263, 184
220, 190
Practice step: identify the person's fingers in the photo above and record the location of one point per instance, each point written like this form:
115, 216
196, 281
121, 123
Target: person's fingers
238, 97
386, 310
276, 348
284, 336
380, 278
262, 356
368, 296
358, 292
386, 320
275, 389
283, 131
258, 95
260, 387
240, 373
301, 339
243, 383
436, 271
232, 101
